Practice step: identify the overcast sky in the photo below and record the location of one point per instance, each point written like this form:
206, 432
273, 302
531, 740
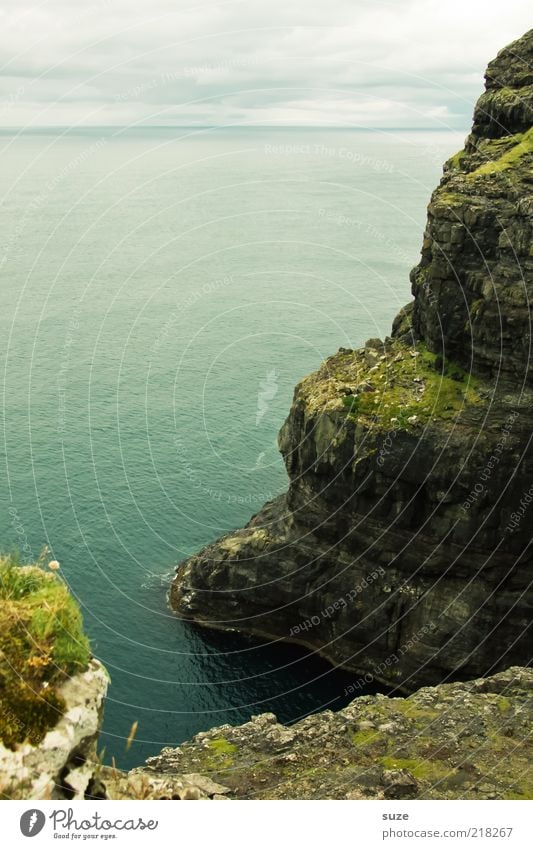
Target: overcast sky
281, 62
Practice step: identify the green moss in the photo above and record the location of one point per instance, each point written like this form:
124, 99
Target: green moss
424, 770
219, 756
351, 402
504, 704
41, 644
222, 746
404, 383
503, 94
26, 714
522, 792
365, 737
455, 160
449, 198
415, 712
522, 144
421, 386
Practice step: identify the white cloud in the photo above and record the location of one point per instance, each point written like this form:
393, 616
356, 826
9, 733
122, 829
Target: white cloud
377, 62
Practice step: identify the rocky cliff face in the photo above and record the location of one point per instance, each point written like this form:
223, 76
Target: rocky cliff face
401, 550
454, 741
472, 286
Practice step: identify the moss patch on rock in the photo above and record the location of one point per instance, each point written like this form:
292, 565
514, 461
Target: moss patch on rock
41, 644
430, 771
406, 387
456, 160
517, 146
221, 754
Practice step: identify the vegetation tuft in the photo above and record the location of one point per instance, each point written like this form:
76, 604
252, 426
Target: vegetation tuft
41, 644
517, 146
406, 388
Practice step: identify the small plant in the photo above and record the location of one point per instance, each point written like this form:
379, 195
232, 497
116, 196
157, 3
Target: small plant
351, 402
42, 643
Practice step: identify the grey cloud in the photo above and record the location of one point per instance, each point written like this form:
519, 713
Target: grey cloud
410, 63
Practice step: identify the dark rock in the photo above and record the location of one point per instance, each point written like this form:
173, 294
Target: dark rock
375, 344
473, 285
399, 784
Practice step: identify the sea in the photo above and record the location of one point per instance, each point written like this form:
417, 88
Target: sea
162, 291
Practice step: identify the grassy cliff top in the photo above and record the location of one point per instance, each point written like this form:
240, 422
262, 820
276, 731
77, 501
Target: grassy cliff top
509, 155
41, 644
389, 386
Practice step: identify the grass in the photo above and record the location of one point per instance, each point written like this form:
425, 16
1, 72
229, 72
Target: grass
423, 385
41, 644
523, 792
221, 746
455, 160
365, 737
504, 704
405, 382
522, 145
449, 198
351, 402
415, 712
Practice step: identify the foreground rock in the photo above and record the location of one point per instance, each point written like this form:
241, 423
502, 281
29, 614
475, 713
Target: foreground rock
401, 549
64, 764
148, 784
454, 741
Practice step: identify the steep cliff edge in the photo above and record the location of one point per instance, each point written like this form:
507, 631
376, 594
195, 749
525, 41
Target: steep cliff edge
401, 550
454, 741
472, 285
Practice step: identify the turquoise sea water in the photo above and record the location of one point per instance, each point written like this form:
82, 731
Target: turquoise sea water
162, 292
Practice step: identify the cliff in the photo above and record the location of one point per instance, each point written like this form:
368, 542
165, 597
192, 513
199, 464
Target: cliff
401, 550
454, 741
472, 285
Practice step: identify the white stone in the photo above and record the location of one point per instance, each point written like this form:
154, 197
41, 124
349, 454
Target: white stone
35, 770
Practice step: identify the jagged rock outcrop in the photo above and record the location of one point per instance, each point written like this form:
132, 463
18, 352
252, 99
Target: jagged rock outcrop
145, 783
401, 550
473, 285
453, 741
64, 764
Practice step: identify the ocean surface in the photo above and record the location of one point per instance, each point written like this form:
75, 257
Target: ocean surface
162, 291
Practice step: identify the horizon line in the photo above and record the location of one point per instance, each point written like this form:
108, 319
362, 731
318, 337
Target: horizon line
66, 127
